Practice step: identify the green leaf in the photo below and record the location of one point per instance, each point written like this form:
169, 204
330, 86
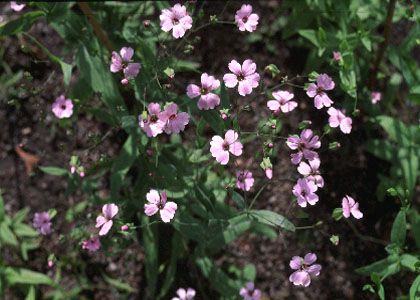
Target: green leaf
337, 213
118, 284
226, 234
54, 171
384, 267
65, 68
249, 272
7, 236
122, 164
22, 24
31, 293
238, 199
273, 219
415, 289
414, 218
25, 276
382, 149
220, 281
397, 130
311, 35
23, 230
409, 161
409, 261
95, 74
399, 227
150, 244
20, 215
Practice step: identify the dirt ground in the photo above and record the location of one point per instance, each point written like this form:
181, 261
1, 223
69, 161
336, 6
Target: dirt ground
351, 170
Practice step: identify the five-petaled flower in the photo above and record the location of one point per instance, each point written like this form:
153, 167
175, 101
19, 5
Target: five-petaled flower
174, 122
155, 122
350, 206
338, 119
220, 147
245, 19
249, 292
62, 107
311, 171
207, 99
158, 202
304, 269
244, 76
282, 102
304, 190
104, 221
304, 145
317, 91
185, 294
42, 222
176, 19
91, 244
123, 62
244, 180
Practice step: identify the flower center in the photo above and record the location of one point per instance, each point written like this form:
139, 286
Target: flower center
240, 77
172, 117
319, 90
160, 205
63, 106
301, 146
153, 118
245, 19
204, 91
225, 146
175, 21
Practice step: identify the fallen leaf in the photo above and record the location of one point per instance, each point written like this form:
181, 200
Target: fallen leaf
30, 160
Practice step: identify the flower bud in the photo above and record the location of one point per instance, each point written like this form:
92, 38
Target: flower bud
72, 169
269, 173
124, 227
50, 263
124, 81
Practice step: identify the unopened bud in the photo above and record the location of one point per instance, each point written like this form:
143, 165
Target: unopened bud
146, 23
270, 145
72, 169
124, 81
269, 173
50, 263
334, 146
124, 227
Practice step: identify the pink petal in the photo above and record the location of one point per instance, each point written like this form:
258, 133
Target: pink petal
295, 262
168, 212
235, 67
100, 220
312, 90
304, 169
314, 269
150, 209
273, 105
153, 197
346, 207
248, 67
193, 91
231, 136
345, 125
244, 88
126, 53
105, 228
230, 80
309, 258
109, 210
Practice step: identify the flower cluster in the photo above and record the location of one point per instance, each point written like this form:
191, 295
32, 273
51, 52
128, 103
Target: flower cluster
169, 120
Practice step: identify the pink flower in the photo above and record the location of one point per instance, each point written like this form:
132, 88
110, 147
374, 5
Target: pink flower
92, 244
304, 190
337, 55
176, 19
158, 203
304, 269
351, 207
124, 63
207, 100
183, 294
245, 19
375, 97
62, 107
155, 122
105, 220
245, 75
249, 292
337, 118
244, 180
220, 147
304, 144
323, 83
42, 222
282, 102
311, 171
50, 263
124, 227
269, 173
16, 7
174, 122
